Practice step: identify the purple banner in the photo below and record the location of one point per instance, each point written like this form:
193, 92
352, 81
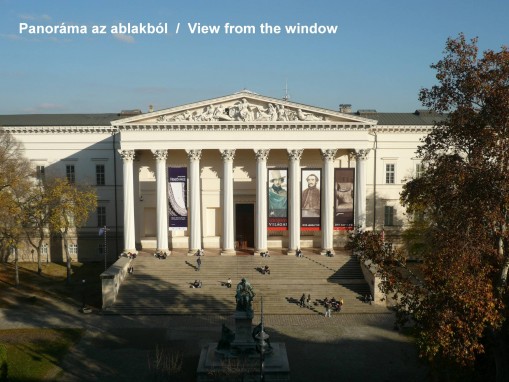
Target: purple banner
310, 199
343, 198
177, 198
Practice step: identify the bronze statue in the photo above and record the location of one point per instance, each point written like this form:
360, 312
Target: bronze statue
244, 296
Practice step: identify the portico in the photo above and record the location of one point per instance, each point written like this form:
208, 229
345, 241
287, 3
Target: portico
228, 146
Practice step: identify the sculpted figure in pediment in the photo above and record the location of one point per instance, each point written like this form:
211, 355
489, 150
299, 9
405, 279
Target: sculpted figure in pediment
301, 116
266, 114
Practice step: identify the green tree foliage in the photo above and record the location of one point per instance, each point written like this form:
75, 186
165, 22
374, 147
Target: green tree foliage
457, 298
69, 206
15, 172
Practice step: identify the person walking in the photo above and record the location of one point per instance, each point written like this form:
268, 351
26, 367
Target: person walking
302, 300
327, 305
198, 263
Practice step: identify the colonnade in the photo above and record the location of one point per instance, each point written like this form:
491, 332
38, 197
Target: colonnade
194, 212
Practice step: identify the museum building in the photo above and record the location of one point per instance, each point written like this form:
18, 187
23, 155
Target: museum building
239, 172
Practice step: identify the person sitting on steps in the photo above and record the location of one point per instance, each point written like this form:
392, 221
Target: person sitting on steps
266, 270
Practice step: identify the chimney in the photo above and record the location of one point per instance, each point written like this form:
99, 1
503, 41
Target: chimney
345, 108
150, 108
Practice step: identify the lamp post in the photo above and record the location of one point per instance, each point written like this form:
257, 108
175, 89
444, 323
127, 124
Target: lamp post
262, 343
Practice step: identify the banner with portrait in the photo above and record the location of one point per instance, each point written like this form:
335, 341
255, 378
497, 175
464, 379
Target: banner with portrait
310, 199
277, 203
344, 193
177, 198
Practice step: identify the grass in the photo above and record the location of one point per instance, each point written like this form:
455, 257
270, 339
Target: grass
52, 281
33, 354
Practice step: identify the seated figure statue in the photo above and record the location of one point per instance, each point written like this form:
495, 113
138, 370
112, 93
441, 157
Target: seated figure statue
244, 296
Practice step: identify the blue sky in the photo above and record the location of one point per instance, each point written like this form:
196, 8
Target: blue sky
379, 57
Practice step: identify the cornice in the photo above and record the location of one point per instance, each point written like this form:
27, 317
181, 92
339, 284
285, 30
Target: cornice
404, 129
60, 129
250, 126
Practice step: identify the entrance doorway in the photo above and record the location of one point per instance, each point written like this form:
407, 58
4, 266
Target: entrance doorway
244, 225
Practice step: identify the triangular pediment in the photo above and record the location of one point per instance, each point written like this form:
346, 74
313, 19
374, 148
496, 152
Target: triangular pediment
243, 107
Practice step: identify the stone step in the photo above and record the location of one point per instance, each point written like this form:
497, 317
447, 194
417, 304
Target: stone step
163, 286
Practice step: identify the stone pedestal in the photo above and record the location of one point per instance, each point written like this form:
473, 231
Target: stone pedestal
242, 361
244, 342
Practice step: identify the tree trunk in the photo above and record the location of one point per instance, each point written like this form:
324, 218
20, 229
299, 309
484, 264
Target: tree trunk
67, 257
16, 267
39, 262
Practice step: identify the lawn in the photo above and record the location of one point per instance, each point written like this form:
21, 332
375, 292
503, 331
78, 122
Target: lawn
52, 281
34, 354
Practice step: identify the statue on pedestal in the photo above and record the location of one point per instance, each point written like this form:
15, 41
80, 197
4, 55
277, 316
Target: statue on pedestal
244, 296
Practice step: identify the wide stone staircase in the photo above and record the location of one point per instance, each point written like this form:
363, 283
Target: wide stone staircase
160, 287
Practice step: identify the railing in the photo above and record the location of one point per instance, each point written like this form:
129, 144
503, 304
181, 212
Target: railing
112, 279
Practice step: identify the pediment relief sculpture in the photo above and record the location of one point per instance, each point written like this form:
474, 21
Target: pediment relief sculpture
243, 111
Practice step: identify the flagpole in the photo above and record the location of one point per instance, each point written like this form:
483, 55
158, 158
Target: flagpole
105, 249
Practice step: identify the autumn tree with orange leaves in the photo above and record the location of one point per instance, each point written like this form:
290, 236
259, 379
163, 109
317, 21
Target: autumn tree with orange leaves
457, 298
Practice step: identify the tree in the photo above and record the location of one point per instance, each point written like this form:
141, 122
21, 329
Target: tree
35, 210
15, 174
69, 207
458, 297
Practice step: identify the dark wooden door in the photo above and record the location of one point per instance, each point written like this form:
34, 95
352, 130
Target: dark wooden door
244, 225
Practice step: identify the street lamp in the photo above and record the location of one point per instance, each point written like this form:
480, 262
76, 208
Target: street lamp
262, 344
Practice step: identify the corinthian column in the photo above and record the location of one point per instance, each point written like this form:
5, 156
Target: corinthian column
162, 200
328, 200
228, 241
261, 201
194, 196
294, 201
360, 188
128, 185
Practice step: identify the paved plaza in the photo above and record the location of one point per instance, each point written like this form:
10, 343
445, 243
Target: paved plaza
345, 347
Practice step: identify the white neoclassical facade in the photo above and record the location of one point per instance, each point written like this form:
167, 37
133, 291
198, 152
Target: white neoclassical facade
238, 172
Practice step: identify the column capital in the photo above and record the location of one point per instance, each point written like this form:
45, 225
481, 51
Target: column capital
227, 155
262, 154
194, 154
295, 154
329, 154
160, 154
361, 154
127, 155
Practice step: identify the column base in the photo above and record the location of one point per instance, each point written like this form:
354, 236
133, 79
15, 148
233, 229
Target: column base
291, 252
192, 252
323, 252
130, 250
257, 252
228, 252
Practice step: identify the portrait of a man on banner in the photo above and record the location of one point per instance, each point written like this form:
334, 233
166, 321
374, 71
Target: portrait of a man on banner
310, 199
278, 199
344, 198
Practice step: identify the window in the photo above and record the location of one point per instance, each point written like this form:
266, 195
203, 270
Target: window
73, 249
99, 174
101, 216
419, 170
390, 173
70, 174
40, 172
389, 216
44, 249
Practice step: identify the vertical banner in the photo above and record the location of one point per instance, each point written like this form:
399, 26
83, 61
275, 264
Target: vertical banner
310, 199
177, 198
343, 198
277, 217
